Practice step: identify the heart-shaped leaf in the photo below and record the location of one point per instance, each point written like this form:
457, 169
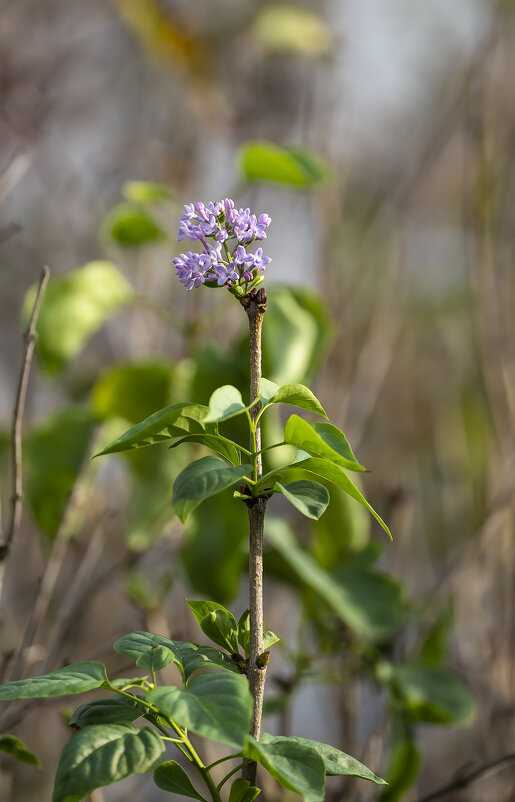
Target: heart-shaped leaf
171, 777
310, 498
216, 706
220, 627
322, 439
295, 765
336, 762
103, 754
201, 479
76, 678
176, 420
148, 650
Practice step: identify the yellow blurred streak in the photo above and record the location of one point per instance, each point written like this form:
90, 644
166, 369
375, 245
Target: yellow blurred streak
166, 40
162, 36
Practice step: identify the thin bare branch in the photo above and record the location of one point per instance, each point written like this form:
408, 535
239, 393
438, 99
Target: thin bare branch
463, 780
30, 337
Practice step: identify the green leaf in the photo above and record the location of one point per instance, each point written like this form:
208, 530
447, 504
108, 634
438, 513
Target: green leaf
112, 710
171, 777
55, 451
294, 765
213, 552
267, 390
436, 641
216, 706
220, 627
323, 440
17, 749
301, 322
201, 479
148, 650
269, 638
310, 498
404, 762
226, 402
132, 391
285, 29
189, 657
130, 225
375, 598
332, 473
146, 192
298, 168
226, 448
200, 608
104, 754
76, 678
353, 608
298, 395
336, 762
244, 631
434, 695
243, 791
73, 308
176, 420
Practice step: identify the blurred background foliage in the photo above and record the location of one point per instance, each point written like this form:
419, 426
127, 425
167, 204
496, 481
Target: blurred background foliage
379, 137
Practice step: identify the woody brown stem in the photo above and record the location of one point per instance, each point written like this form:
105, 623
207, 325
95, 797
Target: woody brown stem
255, 307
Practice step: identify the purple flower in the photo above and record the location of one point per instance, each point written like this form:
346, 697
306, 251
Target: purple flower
221, 222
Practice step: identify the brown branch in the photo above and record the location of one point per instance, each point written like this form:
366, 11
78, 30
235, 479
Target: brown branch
30, 338
255, 307
463, 780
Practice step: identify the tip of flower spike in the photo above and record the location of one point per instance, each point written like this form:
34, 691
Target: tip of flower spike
226, 260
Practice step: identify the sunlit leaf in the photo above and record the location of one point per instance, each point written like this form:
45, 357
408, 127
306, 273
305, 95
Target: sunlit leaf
174, 421
287, 29
226, 448
297, 168
298, 395
225, 403
323, 440
74, 307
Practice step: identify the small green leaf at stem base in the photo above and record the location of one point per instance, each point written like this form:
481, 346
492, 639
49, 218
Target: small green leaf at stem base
171, 777
17, 749
243, 791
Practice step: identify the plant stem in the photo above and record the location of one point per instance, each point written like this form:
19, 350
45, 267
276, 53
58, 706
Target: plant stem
255, 307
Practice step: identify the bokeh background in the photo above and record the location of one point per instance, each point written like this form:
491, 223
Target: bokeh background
378, 134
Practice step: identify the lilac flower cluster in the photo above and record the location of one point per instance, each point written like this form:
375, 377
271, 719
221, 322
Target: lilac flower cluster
225, 260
